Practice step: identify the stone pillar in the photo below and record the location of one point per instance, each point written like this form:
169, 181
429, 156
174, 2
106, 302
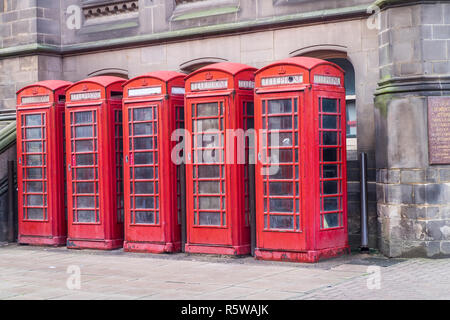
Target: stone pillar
413, 194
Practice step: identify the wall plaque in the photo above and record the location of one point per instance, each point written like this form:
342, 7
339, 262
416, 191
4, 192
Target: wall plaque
439, 130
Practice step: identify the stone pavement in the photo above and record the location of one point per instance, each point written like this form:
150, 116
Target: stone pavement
45, 273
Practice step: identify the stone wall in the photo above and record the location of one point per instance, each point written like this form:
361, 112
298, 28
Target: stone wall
413, 196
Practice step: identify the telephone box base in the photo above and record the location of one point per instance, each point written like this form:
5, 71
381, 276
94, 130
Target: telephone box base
309, 256
42, 241
219, 250
94, 244
151, 247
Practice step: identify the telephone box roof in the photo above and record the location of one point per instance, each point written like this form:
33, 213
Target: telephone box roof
52, 85
304, 62
164, 76
228, 67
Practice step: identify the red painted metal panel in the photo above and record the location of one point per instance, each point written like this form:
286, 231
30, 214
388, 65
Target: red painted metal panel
152, 109
219, 98
40, 163
301, 207
94, 164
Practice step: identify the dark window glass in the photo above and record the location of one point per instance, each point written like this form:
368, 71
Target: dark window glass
329, 105
331, 220
86, 216
209, 218
281, 205
144, 217
330, 138
282, 222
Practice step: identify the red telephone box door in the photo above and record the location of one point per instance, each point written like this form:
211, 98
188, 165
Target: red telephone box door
279, 171
142, 168
84, 168
34, 158
208, 170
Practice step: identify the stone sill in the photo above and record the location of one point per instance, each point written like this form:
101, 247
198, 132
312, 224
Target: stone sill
206, 13
111, 26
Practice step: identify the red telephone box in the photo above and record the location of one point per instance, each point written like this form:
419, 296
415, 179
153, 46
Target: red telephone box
94, 163
153, 107
40, 163
301, 180
219, 97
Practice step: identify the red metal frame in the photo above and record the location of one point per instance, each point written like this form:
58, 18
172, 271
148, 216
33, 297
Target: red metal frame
93, 142
216, 209
40, 163
301, 210
152, 109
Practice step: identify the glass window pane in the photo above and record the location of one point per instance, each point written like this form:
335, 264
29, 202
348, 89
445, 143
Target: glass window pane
143, 129
331, 220
330, 187
142, 114
284, 172
83, 132
280, 106
143, 143
84, 159
281, 188
281, 205
330, 171
33, 133
85, 187
330, 204
329, 154
33, 160
281, 139
281, 156
34, 186
208, 187
330, 138
143, 158
86, 216
277, 123
207, 109
144, 217
209, 140
84, 146
209, 218
85, 202
329, 105
282, 222
209, 171
33, 120
206, 124
145, 202
143, 187
35, 213
209, 203
33, 147
33, 173
83, 117
35, 200
143, 173
85, 174
330, 122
